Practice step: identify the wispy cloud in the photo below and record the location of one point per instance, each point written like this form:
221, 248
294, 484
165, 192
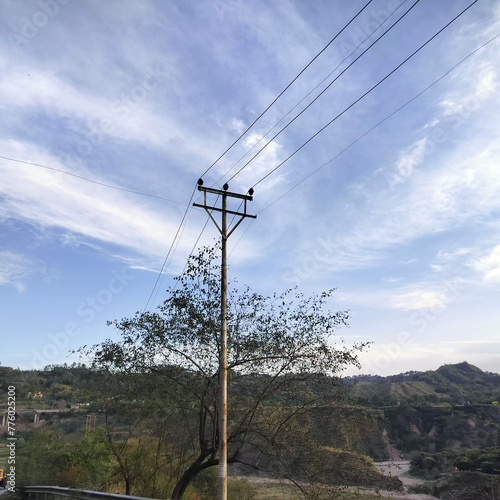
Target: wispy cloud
14, 269
51, 199
408, 160
410, 297
420, 300
489, 266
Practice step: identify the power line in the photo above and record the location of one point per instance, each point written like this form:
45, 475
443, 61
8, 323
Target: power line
154, 291
158, 278
322, 92
89, 180
323, 128
169, 251
286, 88
380, 122
193, 249
364, 95
245, 132
370, 130
311, 91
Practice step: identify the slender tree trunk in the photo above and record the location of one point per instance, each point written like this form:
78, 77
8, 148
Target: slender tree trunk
190, 474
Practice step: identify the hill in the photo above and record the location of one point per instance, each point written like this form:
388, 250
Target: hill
451, 409
458, 384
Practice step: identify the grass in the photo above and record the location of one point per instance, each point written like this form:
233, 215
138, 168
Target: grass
276, 491
4, 454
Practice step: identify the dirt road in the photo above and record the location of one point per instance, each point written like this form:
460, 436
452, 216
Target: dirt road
400, 468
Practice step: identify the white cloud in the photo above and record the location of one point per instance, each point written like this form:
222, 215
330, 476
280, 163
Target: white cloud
487, 84
473, 95
422, 295
462, 189
489, 266
409, 159
14, 268
444, 255
420, 299
259, 167
125, 117
52, 199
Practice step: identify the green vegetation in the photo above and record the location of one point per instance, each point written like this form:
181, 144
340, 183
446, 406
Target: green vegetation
137, 424
142, 419
456, 385
281, 364
486, 460
462, 486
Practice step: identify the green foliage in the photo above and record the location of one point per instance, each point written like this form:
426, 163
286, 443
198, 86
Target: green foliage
311, 463
205, 486
432, 465
486, 460
280, 357
41, 458
465, 485
90, 462
460, 384
156, 392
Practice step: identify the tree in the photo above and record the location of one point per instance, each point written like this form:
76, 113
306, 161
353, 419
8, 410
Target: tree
280, 362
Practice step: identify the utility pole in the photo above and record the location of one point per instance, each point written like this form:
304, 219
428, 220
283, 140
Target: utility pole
223, 331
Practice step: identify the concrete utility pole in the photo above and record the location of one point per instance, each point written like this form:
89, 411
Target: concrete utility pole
223, 336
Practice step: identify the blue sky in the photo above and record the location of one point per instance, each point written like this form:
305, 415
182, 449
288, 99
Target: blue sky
145, 96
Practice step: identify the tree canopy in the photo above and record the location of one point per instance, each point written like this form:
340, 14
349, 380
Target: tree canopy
281, 359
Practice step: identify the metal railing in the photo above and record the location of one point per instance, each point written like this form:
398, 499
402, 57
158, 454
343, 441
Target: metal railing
46, 492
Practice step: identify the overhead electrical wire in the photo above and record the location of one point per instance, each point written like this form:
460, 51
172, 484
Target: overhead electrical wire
188, 206
154, 291
368, 132
242, 135
193, 249
239, 138
323, 128
365, 94
128, 191
90, 180
311, 91
285, 89
319, 95
380, 123
322, 92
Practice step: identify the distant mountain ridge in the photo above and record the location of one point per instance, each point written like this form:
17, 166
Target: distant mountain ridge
451, 408
455, 384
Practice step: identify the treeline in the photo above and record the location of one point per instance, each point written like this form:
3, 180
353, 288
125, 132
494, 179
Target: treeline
56, 383
461, 384
89, 461
135, 433
139, 435
432, 465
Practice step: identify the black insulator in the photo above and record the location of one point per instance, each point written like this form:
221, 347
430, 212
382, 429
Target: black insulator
225, 187
250, 191
200, 182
